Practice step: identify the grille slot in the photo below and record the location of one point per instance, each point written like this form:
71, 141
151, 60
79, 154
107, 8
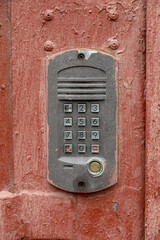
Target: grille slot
81, 88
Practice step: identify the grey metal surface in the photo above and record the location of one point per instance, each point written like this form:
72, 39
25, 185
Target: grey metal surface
81, 77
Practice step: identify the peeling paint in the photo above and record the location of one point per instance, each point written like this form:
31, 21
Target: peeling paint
46, 212
115, 206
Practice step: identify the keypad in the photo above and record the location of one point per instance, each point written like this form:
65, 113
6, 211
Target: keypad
81, 130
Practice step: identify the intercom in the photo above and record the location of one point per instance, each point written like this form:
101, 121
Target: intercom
82, 105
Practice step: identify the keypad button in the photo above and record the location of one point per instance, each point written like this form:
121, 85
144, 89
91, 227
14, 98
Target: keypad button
67, 134
82, 135
81, 148
94, 135
95, 148
81, 108
94, 108
81, 122
95, 122
68, 108
67, 122
68, 148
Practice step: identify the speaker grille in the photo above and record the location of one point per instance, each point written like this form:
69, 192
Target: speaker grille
81, 88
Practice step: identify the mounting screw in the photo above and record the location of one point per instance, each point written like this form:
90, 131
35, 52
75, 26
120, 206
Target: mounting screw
48, 46
48, 15
113, 15
8, 204
81, 185
3, 86
112, 12
113, 43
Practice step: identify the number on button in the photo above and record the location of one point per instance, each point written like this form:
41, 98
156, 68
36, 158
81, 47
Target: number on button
95, 135
68, 108
67, 122
81, 122
95, 122
81, 148
94, 108
81, 108
81, 135
67, 134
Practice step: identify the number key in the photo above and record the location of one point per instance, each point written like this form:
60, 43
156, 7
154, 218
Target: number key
67, 122
67, 134
81, 148
81, 122
95, 148
68, 148
95, 122
81, 135
81, 108
68, 108
94, 135
94, 108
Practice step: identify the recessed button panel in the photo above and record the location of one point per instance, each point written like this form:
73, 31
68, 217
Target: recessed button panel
83, 134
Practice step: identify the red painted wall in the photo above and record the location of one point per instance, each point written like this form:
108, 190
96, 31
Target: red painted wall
152, 170
37, 210
6, 160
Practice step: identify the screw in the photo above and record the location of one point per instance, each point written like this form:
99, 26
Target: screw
8, 204
113, 43
48, 45
48, 15
3, 86
112, 12
113, 15
81, 184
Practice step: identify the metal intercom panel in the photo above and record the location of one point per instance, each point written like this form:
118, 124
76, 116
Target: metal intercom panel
82, 104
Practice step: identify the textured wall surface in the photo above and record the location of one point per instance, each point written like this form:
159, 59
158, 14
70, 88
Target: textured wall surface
37, 210
152, 180
6, 161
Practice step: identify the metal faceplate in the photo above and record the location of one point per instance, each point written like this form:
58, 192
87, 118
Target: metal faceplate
82, 121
